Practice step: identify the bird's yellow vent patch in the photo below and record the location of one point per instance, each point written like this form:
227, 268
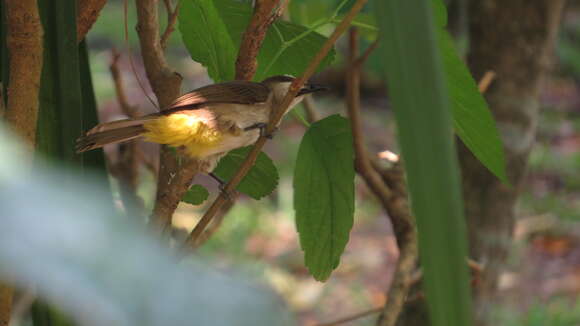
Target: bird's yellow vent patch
183, 130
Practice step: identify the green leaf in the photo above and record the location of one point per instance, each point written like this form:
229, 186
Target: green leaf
472, 118
440, 13
196, 195
259, 182
294, 58
324, 194
206, 37
307, 12
415, 75
287, 47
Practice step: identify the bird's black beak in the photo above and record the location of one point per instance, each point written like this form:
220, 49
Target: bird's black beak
311, 88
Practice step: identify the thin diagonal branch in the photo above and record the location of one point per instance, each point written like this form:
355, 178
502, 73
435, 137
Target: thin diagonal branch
353, 317
274, 121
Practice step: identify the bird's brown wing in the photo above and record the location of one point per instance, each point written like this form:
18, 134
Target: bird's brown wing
240, 92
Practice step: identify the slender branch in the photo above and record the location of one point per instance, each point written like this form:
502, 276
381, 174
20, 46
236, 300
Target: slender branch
264, 16
363, 58
128, 109
126, 168
6, 296
392, 197
274, 121
356, 316
164, 81
171, 20
216, 222
24, 42
173, 181
362, 162
88, 12
486, 81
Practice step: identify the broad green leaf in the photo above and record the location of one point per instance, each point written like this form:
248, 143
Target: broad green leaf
415, 75
294, 59
217, 48
307, 12
324, 194
472, 118
196, 195
206, 37
259, 182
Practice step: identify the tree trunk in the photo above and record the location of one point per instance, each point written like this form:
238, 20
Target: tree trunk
514, 39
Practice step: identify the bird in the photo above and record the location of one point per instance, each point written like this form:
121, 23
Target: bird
207, 122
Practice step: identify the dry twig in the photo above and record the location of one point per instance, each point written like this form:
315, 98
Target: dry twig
274, 120
88, 12
356, 316
171, 20
264, 15
126, 168
486, 81
392, 196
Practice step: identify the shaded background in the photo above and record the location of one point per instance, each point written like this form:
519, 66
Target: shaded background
543, 277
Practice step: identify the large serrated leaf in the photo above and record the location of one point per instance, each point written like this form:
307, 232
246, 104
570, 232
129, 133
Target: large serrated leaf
259, 182
216, 48
295, 58
207, 39
324, 194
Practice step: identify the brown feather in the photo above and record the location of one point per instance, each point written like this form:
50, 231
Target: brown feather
100, 139
240, 92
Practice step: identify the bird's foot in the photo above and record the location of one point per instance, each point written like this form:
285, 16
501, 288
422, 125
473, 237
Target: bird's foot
221, 186
263, 127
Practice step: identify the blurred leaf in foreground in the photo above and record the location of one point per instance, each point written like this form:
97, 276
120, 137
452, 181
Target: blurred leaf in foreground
104, 270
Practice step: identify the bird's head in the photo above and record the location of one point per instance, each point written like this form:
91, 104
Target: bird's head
280, 84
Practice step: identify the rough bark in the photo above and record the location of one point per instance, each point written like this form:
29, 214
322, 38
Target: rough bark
24, 42
166, 85
88, 12
264, 15
515, 40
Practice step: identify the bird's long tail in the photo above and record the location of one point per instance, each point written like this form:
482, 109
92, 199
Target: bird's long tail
111, 133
